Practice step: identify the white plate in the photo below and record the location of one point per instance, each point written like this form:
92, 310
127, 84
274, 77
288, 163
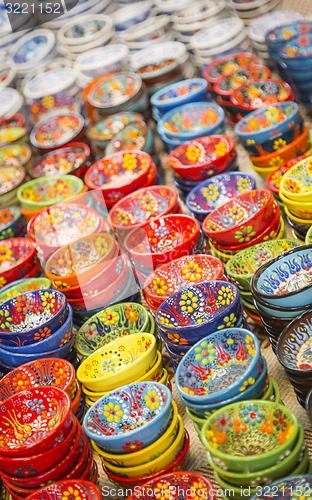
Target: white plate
102, 60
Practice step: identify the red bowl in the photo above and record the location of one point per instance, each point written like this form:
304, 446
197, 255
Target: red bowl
203, 157
162, 240
141, 207
77, 398
178, 465
241, 77
119, 174
82, 489
228, 64
25, 467
249, 214
70, 159
35, 272
52, 428
17, 259
244, 98
16, 120
274, 180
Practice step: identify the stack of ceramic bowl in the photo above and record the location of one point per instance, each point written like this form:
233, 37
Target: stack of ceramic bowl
115, 93
30, 459
281, 290
214, 192
146, 33
179, 274
22, 286
201, 159
135, 136
36, 324
155, 441
31, 50
242, 222
237, 467
241, 267
227, 64
248, 11
51, 372
100, 382
296, 194
86, 489
130, 15
35, 195
194, 312
162, 240
190, 121
18, 260
115, 176
11, 222
273, 135
142, 206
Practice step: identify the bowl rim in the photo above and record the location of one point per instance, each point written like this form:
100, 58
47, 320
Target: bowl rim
281, 83
283, 55
155, 101
295, 197
294, 217
31, 254
245, 69
276, 307
46, 120
67, 482
17, 184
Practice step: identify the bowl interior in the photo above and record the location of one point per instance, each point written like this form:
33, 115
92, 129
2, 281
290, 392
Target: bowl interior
13, 252
27, 285
294, 346
192, 118
242, 77
10, 178
106, 129
115, 90
83, 489
51, 190
59, 162
57, 130
8, 216
266, 119
297, 180
258, 94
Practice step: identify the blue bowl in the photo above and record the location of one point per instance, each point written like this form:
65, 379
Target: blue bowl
277, 37
170, 96
212, 193
13, 222
25, 317
253, 391
134, 408
217, 367
303, 56
57, 339
199, 310
286, 313
250, 135
285, 488
286, 280
171, 144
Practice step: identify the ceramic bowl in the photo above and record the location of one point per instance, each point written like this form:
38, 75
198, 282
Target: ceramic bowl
183, 92
253, 418
101, 133
56, 131
261, 125
178, 274
113, 91
41, 401
202, 158
155, 410
157, 242
22, 286
296, 53
136, 136
11, 178
13, 135
243, 76
108, 324
277, 37
295, 184
274, 180
138, 456
18, 257
85, 489
260, 93
237, 343
299, 208
241, 218
190, 121
11, 222
140, 207
284, 281
242, 266
107, 368
227, 64
68, 160
212, 193
297, 220
20, 152
80, 260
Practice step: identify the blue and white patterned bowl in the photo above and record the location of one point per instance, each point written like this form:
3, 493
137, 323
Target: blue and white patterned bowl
289, 487
297, 53
183, 92
138, 412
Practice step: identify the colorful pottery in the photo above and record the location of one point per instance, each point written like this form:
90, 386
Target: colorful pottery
243, 76
23, 286
274, 180
114, 91
227, 65
286, 486
179, 93
102, 132
298, 51
56, 131
12, 135
10, 179
260, 93
21, 152
17, 258
136, 136
84, 489
68, 160
296, 183
11, 222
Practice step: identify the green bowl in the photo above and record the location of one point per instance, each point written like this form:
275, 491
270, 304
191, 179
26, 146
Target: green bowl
308, 238
250, 435
265, 476
25, 286
247, 296
241, 267
37, 193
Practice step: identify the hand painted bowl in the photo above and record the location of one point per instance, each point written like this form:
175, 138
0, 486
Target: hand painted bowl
228, 64
242, 266
11, 222
119, 174
279, 35
39, 193
10, 179
183, 92
31, 316
299, 208
85, 490
212, 193
52, 372
140, 207
56, 131
202, 158
192, 120
136, 136
13, 135
18, 257
193, 312
178, 274
297, 52
20, 152
22, 286
114, 91
101, 133
262, 125
250, 450
147, 403
68, 160
286, 279
243, 76
48, 407
109, 324
241, 218
80, 260
224, 361
108, 367
285, 487
295, 184
260, 93
274, 180
162, 240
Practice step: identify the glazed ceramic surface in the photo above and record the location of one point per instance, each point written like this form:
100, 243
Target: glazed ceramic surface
17, 257
10, 178
133, 136
23, 286
21, 152
182, 92
11, 222
242, 77
296, 184
115, 90
56, 131
228, 64
286, 487
107, 129
49, 191
278, 36
217, 367
137, 412
60, 162
294, 345
12, 135
275, 178
298, 51
86, 490
109, 324
258, 94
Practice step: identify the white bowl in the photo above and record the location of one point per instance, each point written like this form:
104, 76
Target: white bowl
50, 82
157, 25
102, 60
11, 101
198, 11
158, 52
66, 34
217, 34
31, 49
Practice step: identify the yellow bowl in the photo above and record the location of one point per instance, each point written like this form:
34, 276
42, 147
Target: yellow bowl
301, 209
297, 220
155, 465
143, 456
164, 378
264, 172
296, 238
291, 183
118, 363
155, 373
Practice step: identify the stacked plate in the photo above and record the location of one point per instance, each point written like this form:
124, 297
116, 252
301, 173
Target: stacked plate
192, 313
248, 11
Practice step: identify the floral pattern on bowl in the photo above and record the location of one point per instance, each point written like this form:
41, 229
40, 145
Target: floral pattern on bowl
115, 90
84, 490
296, 183
10, 178
132, 137
107, 129
154, 69
274, 180
17, 257
111, 323
57, 130
242, 77
228, 64
261, 93
23, 286
298, 48
11, 223
61, 162
294, 345
49, 190
11, 135
292, 487
21, 152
